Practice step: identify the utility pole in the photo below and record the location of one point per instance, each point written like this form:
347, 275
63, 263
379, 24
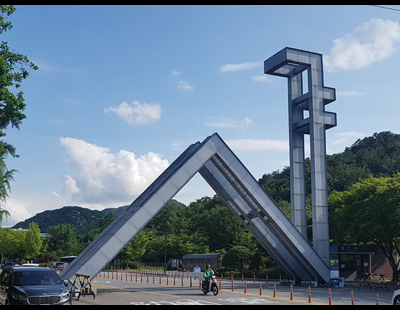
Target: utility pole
165, 252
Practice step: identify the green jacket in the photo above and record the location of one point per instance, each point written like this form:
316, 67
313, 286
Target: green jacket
208, 273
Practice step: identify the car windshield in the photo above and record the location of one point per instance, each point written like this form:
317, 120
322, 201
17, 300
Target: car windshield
34, 277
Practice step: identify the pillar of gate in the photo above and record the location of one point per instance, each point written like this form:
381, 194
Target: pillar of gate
307, 97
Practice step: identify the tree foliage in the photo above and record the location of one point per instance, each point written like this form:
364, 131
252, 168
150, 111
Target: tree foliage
4, 214
369, 212
63, 240
33, 242
14, 68
135, 249
204, 226
237, 257
82, 218
12, 244
20, 245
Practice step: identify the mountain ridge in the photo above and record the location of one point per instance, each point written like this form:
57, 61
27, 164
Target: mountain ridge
82, 218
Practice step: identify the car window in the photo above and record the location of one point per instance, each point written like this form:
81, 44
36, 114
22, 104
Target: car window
5, 278
34, 277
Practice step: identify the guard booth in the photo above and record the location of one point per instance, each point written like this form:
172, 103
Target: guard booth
355, 261
189, 261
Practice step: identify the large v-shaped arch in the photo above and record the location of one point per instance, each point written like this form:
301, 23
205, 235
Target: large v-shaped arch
230, 179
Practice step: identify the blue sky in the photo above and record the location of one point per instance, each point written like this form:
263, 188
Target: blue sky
121, 91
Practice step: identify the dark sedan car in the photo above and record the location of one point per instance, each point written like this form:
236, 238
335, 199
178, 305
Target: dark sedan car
8, 265
32, 286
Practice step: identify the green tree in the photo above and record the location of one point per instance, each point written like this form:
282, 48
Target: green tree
4, 214
14, 68
63, 240
33, 241
256, 262
369, 212
135, 249
222, 228
237, 257
179, 245
101, 224
12, 244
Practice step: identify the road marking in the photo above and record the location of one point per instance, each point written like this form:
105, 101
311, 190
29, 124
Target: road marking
180, 302
249, 301
196, 302
159, 294
138, 290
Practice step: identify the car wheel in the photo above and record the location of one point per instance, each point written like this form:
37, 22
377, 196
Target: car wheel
396, 301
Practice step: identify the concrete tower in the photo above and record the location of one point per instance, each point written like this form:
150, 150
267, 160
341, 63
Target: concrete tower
307, 116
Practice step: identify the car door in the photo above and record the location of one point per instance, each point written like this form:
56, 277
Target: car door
5, 281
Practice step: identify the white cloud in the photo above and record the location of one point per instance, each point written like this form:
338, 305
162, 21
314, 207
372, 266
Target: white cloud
176, 72
71, 185
336, 144
136, 114
371, 42
341, 140
104, 178
249, 145
184, 85
55, 194
18, 210
229, 123
350, 94
261, 79
241, 66
24, 204
45, 67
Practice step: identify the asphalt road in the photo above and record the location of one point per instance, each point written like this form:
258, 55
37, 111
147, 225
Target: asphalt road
128, 291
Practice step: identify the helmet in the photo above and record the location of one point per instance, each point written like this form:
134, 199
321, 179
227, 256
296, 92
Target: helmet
208, 266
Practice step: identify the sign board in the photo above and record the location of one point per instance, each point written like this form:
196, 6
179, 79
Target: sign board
174, 263
334, 276
334, 272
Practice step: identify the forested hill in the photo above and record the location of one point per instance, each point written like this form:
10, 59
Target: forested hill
377, 156
83, 219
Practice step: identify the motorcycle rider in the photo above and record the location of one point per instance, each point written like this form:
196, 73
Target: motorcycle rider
207, 274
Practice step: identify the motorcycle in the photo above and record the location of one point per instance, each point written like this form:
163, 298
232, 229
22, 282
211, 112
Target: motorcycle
211, 287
